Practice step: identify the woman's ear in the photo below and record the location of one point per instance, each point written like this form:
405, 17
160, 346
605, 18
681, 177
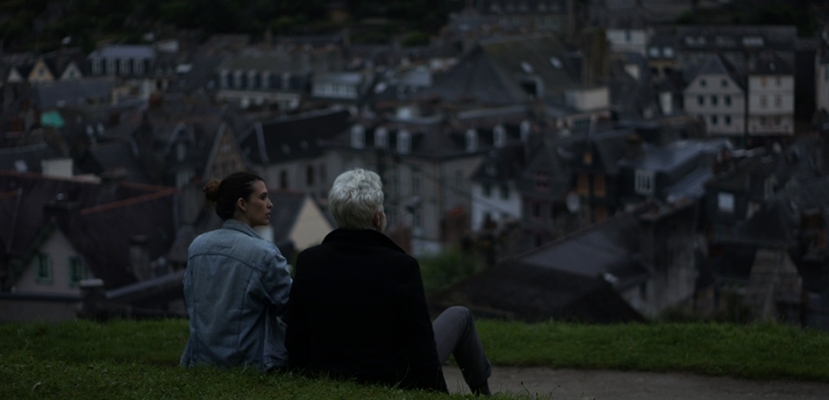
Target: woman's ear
241, 204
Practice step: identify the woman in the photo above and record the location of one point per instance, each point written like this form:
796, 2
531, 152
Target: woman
237, 283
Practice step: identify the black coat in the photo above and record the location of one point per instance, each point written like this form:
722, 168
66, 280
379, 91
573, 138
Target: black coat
357, 310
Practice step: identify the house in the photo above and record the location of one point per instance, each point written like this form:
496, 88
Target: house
297, 222
425, 164
628, 267
26, 158
556, 16
673, 172
280, 78
57, 232
717, 94
122, 60
182, 139
343, 88
525, 70
737, 45
771, 98
494, 187
288, 152
78, 92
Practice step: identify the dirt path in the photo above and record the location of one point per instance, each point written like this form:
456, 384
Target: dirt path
556, 384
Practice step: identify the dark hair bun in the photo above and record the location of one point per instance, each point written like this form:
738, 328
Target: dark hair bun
211, 190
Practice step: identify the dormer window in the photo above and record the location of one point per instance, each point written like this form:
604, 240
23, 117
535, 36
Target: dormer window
358, 137
223, 78
556, 62
266, 80
471, 137
111, 66
668, 52
653, 52
181, 151
404, 142
381, 138
138, 67
499, 136
237, 79
251, 79
97, 66
125, 66
526, 129
644, 182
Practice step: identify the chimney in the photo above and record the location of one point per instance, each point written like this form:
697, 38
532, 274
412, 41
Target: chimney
140, 257
634, 147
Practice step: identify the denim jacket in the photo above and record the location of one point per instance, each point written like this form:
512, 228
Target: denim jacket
235, 288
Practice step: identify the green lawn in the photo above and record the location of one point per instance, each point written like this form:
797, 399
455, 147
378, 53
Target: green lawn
129, 359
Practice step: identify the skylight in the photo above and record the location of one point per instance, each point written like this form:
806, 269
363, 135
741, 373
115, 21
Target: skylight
526, 67
556, 62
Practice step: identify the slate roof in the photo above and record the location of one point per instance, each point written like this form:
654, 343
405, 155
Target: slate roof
501, 165
73, 92
492, 73
564, 279
716, 65
771, 64
26, 158
294, 137
124, 51
114, 156
103, 220
668, 158
774, 37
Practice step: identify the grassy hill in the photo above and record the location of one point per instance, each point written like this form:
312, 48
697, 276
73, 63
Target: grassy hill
130, 359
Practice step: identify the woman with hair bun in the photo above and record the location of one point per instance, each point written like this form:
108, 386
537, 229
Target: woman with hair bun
236, 284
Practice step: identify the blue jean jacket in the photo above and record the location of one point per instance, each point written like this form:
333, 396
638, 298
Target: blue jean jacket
235, 288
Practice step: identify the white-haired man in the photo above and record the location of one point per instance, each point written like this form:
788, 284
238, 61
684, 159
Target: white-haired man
357, 307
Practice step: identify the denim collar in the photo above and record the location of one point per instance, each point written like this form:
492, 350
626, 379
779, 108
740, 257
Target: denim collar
240, 226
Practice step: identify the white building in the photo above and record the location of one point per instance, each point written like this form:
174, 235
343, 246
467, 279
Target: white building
717, 96
771, 98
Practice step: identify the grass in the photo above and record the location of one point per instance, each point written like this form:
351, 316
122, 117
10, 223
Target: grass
129, 359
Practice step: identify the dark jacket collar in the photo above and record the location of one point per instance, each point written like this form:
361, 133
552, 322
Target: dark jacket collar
362, 236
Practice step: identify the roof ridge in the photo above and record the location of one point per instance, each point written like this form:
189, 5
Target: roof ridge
127, 202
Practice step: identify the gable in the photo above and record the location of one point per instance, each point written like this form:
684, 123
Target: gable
41, 73
14, 76
58, 253
71, 72
310, 227
225, 156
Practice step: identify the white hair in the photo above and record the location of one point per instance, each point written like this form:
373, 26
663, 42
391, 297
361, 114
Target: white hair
355, 198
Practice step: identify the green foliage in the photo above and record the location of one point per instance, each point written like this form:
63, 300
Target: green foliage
445, 268
760, 351
129, 359
416, 38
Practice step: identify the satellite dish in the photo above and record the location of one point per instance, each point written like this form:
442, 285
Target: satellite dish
573, 202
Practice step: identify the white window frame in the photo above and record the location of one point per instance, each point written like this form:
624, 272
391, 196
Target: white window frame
644, 182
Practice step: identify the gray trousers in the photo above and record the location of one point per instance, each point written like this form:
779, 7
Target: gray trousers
455, 334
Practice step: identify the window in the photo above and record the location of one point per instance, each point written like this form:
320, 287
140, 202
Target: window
97, 66
778, 101
459, 179
536, 209
504, 189
643, 182
714, 100
777, 121
668, 52
43, 274
111, 66
358, 139
283, 179
416, 181
727, 119
599, 186
138, 66
701, 100
583, 184
487, 188
713, 120
763, 81
542, 181
724, 83
381, 138
725, 202
763, 101
403, 142
702, 82
727, 99
777, 81
309, 176
653, 52
323, 170
77, 272
125, 66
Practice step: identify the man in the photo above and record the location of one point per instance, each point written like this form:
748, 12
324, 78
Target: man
357, 307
